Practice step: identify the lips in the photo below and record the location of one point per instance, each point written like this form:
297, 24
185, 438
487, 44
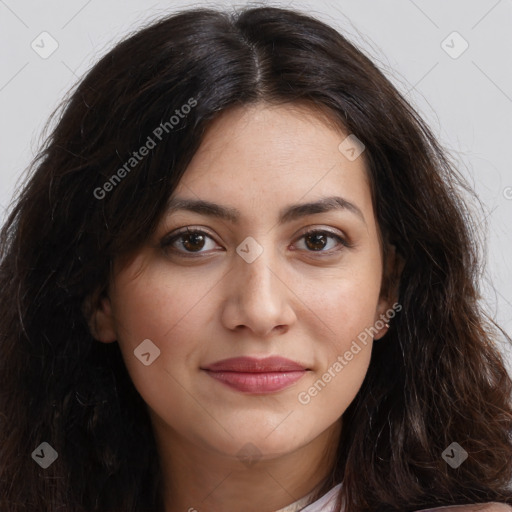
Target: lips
253, 365
251, 375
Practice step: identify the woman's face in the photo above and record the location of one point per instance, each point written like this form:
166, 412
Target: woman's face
251, 284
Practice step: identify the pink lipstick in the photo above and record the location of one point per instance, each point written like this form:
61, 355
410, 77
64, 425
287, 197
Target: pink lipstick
251, 375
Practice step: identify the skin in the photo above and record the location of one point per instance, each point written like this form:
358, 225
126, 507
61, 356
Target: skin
290, 301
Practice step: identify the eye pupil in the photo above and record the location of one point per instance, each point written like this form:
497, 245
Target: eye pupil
317, 244
193, 241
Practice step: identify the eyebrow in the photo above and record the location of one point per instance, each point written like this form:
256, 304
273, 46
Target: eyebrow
288, 214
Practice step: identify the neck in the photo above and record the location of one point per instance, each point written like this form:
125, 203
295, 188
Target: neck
196, 478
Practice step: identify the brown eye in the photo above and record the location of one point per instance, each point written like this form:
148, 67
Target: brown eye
316, 241
193, 242
187, 242
323, 241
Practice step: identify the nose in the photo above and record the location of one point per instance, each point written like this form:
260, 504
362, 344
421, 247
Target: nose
258, 298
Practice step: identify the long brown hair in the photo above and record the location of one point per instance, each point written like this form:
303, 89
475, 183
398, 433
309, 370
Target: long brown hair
436, 378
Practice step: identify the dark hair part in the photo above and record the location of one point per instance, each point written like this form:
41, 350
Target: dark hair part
435, 378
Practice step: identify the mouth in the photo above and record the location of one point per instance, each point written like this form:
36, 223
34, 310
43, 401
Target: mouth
256, 376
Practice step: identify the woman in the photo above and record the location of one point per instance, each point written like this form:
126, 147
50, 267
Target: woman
241, 277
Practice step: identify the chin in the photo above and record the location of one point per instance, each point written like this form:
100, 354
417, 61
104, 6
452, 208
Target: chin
258, 446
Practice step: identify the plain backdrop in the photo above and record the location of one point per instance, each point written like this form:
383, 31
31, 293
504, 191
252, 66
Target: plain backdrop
451, 58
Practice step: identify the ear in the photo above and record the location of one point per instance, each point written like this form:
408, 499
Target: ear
393, 266
98, 313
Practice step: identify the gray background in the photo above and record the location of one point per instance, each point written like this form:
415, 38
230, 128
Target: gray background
466, 100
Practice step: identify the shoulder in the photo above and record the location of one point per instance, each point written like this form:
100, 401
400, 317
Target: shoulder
476, 507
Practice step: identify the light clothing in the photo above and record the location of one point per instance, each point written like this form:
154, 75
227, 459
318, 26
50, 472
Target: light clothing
324, 504
328, 501
481, 507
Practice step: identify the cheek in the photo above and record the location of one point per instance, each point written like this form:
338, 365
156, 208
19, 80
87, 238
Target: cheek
331, 391
158, 303
345, 303
148, 308
343, 348
341, 315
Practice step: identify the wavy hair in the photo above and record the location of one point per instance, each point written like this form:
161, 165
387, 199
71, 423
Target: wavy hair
437, 377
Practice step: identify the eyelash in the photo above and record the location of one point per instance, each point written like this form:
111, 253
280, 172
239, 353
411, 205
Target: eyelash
171, 238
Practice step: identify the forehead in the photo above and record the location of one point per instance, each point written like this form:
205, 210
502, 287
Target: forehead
265, 131
274, 152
